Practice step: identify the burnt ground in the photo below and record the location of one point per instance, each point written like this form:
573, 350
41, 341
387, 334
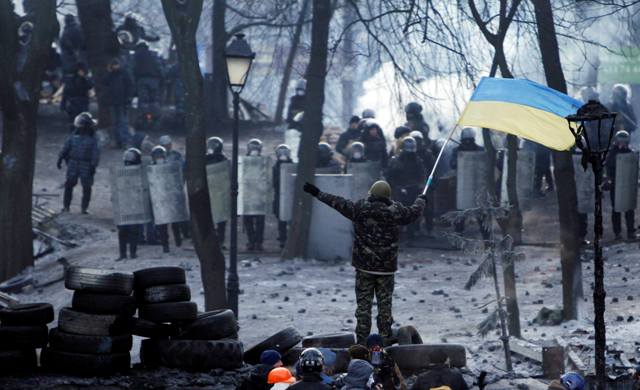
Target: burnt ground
318, 297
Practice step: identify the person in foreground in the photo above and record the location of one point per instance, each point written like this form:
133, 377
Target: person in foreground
311, 366
377, 220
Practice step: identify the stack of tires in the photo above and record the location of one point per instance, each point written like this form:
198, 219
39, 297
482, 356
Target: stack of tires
23, 329
179, 337
93, 336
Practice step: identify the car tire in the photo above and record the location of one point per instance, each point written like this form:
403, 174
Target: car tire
98, 281
332, 340
165, 293
97, 345
415, 358
214, 325
340, 365
281, 342
169, 312
144, 328
83, 364
18, 361
28, 314
159, 276
23, 337
123, 305
75, 322
197, 355
408, 335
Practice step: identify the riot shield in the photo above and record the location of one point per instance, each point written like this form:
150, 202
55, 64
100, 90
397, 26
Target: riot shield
292, 139
255, 192
287, 190
364, 175
525, 172
168, 199
219, 183
333, 170
585, 185
471, 178
130, 196
330, 233
626, 196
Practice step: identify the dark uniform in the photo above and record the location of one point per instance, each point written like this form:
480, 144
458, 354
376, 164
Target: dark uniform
406, 175
117, 88
179, 229
352, 134
71, 44
296, 106
130, 235
148, 74
375, 145
376, 223
311, 381
75, 96
81, 154
387, 373
438, 376
629, 216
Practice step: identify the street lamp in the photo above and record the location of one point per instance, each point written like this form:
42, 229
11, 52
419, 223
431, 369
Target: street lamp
239, 58
593, 128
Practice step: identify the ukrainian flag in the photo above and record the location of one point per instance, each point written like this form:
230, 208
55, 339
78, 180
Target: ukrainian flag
523, 108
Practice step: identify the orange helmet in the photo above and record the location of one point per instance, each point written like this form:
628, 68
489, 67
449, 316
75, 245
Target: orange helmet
280, 375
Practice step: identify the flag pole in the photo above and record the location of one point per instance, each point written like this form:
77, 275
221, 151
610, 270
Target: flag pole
435, 165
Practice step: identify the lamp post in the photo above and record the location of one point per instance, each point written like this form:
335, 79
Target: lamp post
593, 128
239, 57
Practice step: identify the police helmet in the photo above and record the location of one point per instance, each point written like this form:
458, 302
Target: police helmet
401, 131
413, 108
620, 91
301, 85
572, 381
254, 144
416, 134
311, 361
368, 114
158, 154
132, 156
356, 147
164, 140
283, 151
325, 151
468, 134
622, 136
84, 120
214, 145
409, 145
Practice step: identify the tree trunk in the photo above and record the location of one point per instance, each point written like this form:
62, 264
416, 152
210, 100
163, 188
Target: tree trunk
183, 22
19, 132
288, 68
312, 129
220, 101
563, 170
348, 71
102, 46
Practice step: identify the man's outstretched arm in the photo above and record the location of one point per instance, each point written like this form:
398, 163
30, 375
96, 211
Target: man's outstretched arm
406, 215
340, 204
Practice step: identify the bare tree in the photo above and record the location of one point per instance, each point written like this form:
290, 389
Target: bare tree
288, 67
22, 66
102, 45
312, 129
183, 21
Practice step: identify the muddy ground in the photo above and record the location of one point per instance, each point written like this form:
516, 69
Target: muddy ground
318, 297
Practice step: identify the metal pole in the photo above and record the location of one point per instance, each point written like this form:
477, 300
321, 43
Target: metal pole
435, 165
598, 272
233, 282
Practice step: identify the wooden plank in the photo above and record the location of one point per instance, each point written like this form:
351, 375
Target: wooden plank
526, 349
575, 361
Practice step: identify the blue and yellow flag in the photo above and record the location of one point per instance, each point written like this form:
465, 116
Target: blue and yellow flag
523, 108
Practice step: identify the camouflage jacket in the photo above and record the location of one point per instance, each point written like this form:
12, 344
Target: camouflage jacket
376, 223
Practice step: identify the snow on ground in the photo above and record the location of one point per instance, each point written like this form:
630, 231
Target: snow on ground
318, 297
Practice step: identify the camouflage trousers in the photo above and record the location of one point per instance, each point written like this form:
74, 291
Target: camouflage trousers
368, 286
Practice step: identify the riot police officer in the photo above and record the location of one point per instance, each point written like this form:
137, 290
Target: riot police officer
467, 144
81, 154
415, 120
129, 234
296, 105
368, 113
406, 175
626, 119
215, 154
352, 134
159, 156
283, 156
179, 228
254, 224
425, 154
325, 160
621, 146
375, 144
357, 153
75, 96
311, 364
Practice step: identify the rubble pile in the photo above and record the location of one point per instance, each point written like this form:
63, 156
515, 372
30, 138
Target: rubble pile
23, 329
93, 337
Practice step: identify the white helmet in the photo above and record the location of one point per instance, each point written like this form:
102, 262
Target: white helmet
416, 134
164, 140
368, 113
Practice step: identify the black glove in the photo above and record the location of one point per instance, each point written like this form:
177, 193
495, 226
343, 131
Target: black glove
423, 197
311, 189
59, 163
